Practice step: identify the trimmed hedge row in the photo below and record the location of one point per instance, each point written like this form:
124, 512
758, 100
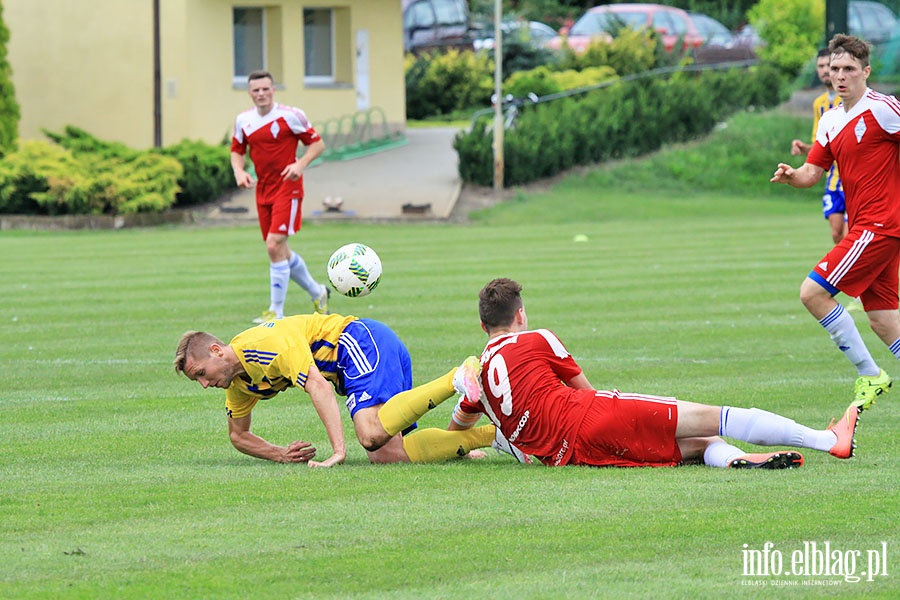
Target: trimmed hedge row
628, 118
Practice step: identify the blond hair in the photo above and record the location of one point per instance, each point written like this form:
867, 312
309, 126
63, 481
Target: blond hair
193, 344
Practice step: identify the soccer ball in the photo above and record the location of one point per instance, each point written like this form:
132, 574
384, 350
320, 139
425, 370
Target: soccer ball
354, 270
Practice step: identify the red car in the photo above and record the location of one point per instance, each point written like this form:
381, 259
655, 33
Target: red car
670, 23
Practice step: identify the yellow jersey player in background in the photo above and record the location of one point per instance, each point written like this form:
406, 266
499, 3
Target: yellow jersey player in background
362, 359
833, 198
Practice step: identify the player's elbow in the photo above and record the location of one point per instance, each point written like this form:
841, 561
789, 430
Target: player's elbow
236, 440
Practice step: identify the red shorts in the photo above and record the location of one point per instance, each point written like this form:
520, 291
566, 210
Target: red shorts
628, 430
864, 264
279, 207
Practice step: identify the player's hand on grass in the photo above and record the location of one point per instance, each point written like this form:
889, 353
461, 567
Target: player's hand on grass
299, 452
476, 454
334, 459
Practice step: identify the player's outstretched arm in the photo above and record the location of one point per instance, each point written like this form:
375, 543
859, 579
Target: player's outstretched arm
322, 395
802, 177
251, 444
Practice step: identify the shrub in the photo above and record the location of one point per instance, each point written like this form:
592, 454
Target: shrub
207, 171
439, 83
625, 119
792, 30
543, 80
519, 54
630, 51
9, 108
45, 178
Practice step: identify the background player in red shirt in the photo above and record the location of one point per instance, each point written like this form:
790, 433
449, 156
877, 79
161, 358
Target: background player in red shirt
541, 401
273, 133
862, 135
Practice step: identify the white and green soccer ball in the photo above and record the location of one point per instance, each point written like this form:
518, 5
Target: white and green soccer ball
354, 270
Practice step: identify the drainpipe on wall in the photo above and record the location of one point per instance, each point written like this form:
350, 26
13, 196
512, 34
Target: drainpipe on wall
157, 87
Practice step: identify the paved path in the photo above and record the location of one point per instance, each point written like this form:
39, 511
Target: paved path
422, 175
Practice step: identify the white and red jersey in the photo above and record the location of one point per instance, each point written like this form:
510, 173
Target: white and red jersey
524, 395
273, 139
864, 142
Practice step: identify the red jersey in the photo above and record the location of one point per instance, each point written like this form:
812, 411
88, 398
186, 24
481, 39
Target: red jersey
864, 142
273, 139
524, 395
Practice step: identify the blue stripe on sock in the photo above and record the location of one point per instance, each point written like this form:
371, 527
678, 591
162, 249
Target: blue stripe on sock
833, 316
895, 348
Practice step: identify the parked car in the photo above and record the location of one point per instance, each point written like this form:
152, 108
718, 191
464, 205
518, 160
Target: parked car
435, 23
534, 32
598, 23
719, 43
871, 21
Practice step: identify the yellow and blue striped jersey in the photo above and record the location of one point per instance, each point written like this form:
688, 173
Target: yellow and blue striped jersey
277, 355
821, 105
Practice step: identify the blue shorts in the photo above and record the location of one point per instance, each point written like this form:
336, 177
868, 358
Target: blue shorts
374, 364
833, 202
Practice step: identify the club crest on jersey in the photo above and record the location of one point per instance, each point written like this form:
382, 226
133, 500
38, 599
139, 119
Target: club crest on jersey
275, 129
860, 129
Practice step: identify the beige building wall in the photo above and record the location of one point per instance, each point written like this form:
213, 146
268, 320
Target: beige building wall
89, 63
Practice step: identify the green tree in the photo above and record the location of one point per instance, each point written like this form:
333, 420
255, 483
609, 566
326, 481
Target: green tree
9, 109
792, 29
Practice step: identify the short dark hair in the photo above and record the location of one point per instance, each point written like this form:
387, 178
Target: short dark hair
259, 74
498, 302
823, 52
853, 46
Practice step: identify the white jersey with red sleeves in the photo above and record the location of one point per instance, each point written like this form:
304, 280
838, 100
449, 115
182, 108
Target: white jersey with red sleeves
524, 395
273, 139
864, 142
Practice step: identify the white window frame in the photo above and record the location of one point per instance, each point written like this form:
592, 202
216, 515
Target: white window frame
240, 79
330, 78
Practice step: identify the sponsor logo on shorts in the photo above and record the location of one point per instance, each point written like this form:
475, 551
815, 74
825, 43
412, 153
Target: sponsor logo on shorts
562, 452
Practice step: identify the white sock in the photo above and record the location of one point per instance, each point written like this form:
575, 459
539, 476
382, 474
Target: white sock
279, 276
845, 336
301, 275
895, 348
721, 454
764, 428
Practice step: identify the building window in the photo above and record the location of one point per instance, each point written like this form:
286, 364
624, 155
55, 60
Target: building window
249, 42
318, 45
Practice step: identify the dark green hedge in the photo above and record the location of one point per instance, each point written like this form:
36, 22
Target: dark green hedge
77, 173
626, 119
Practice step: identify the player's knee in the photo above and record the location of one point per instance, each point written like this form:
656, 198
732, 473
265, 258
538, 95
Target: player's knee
372, 440
811, 293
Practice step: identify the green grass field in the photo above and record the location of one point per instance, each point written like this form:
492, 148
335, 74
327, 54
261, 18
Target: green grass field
118, 479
